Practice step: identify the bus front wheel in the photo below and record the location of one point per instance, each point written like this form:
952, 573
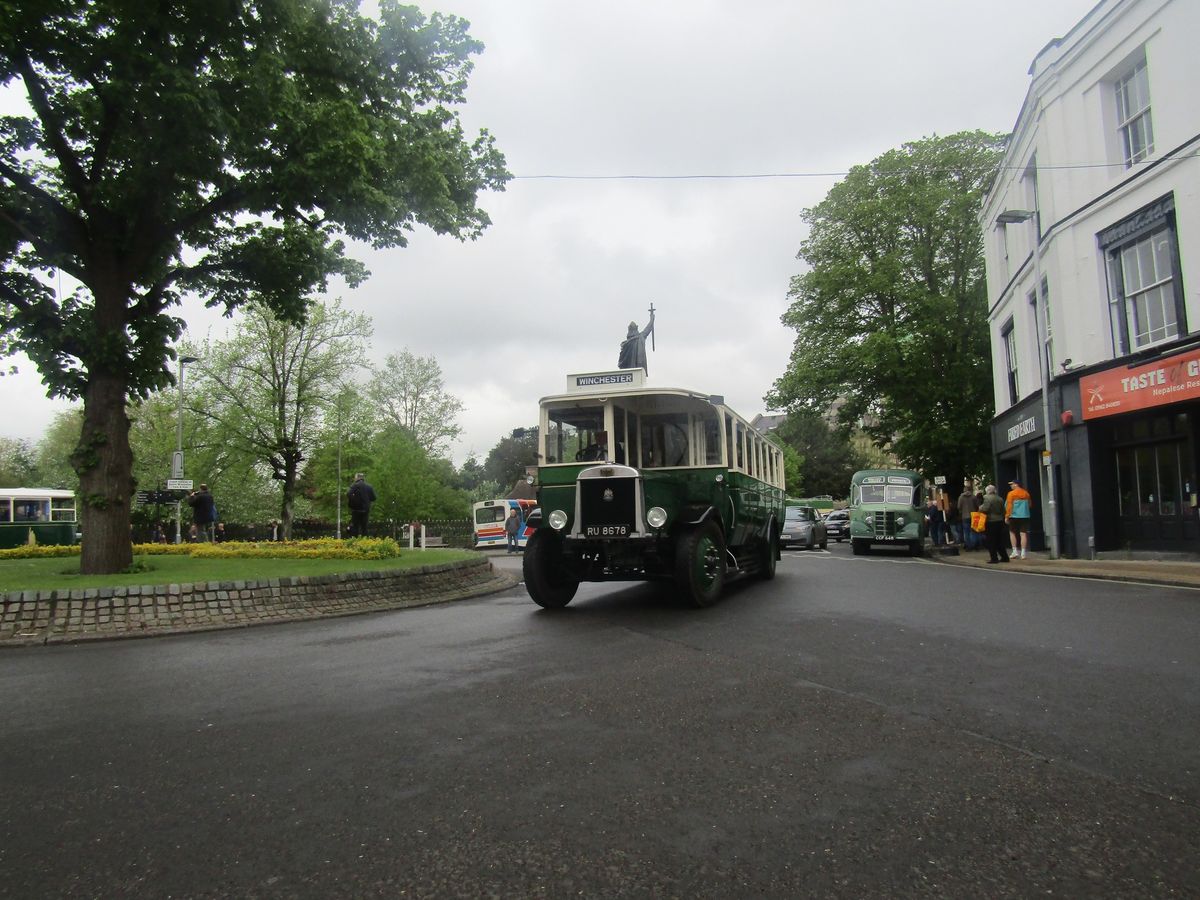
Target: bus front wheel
859, 547
700, 564
549, 584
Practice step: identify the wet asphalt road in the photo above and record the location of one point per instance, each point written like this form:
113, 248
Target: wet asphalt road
859, 727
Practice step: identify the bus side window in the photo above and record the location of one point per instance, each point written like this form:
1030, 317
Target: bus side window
712, 441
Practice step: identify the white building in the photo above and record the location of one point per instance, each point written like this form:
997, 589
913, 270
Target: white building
1103, 166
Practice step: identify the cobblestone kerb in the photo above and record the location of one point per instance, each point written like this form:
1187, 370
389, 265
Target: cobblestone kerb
62, 616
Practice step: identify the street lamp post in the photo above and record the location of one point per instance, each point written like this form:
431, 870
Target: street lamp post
1041, 314
339, 469
177, 463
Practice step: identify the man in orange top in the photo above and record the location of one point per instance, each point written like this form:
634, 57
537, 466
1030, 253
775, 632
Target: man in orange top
1017, 510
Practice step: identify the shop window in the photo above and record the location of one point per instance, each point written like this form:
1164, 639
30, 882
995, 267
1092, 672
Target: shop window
1169, 492
1126, 483
1149, 480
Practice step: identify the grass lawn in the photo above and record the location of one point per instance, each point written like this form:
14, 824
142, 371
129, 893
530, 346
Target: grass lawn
56, 574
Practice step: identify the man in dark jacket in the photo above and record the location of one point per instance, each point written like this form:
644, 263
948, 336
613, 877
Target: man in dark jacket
967, 505
204, 512
360, 497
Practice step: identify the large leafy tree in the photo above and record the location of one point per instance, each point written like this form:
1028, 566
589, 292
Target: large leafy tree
826, 456
410, 484
507, 461
892, 314
221, 147
18, 463
55, 448
269, 387
410, 392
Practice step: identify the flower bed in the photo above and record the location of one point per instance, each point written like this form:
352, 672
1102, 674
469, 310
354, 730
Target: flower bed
320, 548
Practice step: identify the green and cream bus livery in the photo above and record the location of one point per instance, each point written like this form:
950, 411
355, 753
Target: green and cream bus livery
36, 515
886, 508
635, 484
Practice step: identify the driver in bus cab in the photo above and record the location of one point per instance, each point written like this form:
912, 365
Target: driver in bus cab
596, 452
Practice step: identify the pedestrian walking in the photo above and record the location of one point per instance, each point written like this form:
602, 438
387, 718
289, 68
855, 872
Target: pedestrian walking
1017, 512
512, 527
204, 512
967, 505
997, 541
360, 497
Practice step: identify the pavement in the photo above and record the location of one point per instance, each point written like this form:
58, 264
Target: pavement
1181, 572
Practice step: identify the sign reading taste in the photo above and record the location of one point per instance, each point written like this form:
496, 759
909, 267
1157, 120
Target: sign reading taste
1123, 389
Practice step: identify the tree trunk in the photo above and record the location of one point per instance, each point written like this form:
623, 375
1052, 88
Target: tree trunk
104, 464
289, 500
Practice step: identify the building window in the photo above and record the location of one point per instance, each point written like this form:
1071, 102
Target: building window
1143, 275
1133, 114
1010, 361
1039, 310
1144, 289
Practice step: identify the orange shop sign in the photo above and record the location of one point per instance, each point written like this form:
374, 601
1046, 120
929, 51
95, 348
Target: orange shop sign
1123, 390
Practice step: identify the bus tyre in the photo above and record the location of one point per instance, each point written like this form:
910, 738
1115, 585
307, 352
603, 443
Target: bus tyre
824, 543
859, 547
770, 554
549, 584
916, 548
700, 564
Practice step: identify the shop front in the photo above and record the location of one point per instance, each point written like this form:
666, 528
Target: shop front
1142, 423
1018, 439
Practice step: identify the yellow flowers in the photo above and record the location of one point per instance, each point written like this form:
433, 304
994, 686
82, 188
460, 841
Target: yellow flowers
39, 551
320, 548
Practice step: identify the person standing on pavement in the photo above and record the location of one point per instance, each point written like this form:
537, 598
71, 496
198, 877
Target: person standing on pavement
997, 541
967, 505
204, 512
936, 520
512, 527
1017, 512
360, 497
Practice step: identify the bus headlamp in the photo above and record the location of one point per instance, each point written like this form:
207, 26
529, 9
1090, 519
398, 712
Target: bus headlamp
869, 520
899, 521
656, 517
558, 520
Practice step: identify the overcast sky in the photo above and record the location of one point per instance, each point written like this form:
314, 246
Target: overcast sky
652, 88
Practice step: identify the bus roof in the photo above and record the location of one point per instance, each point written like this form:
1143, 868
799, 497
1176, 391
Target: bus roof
35, 493
909, 476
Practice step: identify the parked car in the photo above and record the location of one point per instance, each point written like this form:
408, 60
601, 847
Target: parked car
837, 524
802, 525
